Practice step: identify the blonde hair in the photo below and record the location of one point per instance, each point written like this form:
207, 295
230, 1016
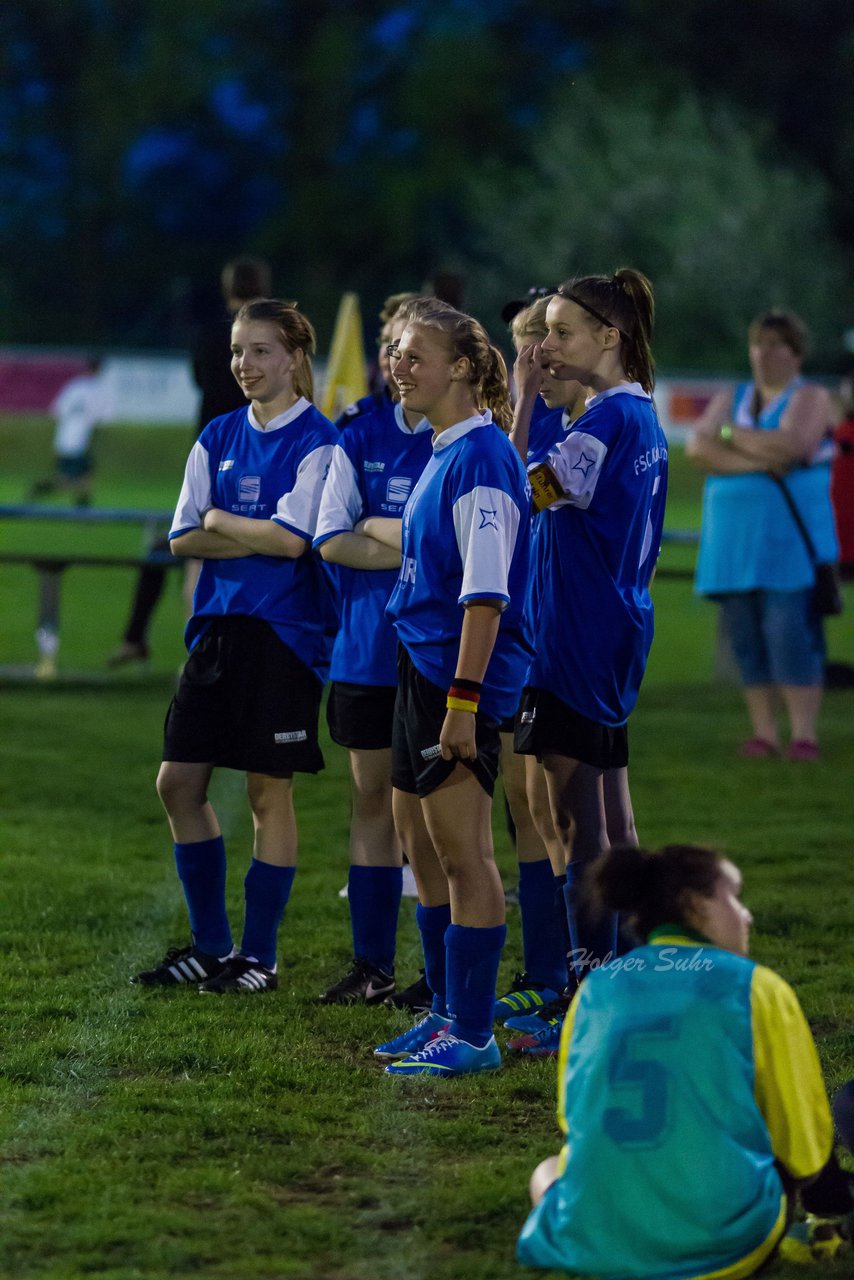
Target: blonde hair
393, 303
468, 340
296, 333
530, 320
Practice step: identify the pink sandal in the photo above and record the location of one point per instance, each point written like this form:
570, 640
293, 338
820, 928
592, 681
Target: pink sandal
756, 748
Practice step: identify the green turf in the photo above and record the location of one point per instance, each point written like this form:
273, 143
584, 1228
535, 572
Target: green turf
148, 1135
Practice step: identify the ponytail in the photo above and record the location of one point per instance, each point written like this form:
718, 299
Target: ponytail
653, 888
495, 390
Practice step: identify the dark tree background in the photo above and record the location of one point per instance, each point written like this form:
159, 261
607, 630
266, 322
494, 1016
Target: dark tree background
366, 146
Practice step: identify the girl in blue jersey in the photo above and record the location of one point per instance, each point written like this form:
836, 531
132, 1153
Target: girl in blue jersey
458, 610
689, 1092
375, 465
601, 489
250, 692
753, 559
541, 861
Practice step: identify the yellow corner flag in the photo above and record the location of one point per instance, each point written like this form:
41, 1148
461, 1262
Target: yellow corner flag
347, 371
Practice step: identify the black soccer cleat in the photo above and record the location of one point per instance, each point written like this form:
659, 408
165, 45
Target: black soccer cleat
364, 983
417, 997
242, 975
181, 966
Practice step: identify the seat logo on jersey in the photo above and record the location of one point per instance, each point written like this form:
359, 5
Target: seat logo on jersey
407, 569
487, 519
398, 489
249, 489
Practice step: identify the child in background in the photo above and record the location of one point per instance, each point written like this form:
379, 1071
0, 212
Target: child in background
80, 407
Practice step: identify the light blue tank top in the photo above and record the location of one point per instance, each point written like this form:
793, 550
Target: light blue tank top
749, 540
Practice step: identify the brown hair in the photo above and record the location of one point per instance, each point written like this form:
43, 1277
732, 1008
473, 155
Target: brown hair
246, 278
786, 324
296, 333
468, 340
653, 887
623, 301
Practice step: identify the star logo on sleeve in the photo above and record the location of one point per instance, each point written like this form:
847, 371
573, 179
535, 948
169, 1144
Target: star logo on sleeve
487, 518
583, 464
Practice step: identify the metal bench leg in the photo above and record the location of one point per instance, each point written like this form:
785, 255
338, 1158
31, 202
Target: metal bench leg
47, 630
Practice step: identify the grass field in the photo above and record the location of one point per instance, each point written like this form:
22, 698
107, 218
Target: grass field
148, 1135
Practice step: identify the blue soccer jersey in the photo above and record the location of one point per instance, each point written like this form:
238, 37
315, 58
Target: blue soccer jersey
273, 473
545, 431
598, 546
466, 537
374, 468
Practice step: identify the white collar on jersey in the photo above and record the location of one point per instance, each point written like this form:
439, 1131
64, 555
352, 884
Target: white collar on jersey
403, 425
281, 419
459, 429
622, 388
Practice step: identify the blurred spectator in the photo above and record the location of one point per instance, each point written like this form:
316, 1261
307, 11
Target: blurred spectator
769, 444
80, 407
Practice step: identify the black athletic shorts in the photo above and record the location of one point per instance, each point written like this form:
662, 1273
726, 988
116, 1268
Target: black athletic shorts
545, 724
419, 713
245, 701
360, 716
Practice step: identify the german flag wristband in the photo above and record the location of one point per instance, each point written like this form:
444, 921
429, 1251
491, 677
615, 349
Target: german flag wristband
464, 695
461, 704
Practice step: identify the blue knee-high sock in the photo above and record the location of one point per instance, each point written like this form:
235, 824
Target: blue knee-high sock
542, 937
201, 870
266, 891
432, 924
593, 933
374, 895
473, 959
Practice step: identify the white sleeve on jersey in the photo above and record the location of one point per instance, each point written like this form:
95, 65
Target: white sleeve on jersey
486, 522
195, 497
577, 462
298, 509
341, 501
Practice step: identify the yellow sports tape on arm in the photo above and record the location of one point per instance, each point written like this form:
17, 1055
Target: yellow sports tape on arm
544, 486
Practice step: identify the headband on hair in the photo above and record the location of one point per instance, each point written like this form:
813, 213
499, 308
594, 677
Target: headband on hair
597, 315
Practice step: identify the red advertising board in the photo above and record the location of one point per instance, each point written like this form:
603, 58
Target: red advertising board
30, 381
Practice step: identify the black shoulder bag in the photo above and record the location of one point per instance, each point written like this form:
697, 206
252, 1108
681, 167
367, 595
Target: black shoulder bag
826, 593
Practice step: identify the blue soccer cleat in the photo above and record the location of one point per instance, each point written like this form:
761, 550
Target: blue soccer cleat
543, 1044
414, 1039
525, 997
446, 1055
534, 1022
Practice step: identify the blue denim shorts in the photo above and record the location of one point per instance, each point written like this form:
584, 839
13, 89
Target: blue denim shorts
776, 636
